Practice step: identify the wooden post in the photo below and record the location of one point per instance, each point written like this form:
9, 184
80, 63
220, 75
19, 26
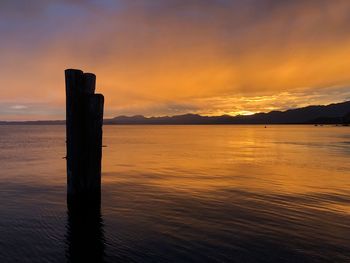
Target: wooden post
84, 120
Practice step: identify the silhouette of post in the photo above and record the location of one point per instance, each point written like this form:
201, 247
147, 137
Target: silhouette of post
84, 120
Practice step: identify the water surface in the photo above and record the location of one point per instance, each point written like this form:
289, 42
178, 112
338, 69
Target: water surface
181, 194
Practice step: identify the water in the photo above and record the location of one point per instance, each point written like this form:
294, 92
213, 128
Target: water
181, 194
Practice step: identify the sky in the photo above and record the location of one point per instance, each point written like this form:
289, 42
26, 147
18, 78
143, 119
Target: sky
168, 57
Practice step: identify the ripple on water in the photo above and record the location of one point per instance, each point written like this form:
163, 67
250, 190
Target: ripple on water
181, 194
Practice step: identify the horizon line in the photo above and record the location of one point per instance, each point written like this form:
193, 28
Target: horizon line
170, 116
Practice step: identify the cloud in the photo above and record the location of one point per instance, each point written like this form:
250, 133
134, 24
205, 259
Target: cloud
19, 107
162, 57
30, 111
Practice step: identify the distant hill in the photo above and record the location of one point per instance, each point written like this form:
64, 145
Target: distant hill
336, 113
330, 114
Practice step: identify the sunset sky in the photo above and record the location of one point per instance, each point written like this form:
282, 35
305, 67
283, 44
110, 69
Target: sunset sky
167, 57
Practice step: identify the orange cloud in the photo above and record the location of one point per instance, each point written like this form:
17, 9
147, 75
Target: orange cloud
170, 57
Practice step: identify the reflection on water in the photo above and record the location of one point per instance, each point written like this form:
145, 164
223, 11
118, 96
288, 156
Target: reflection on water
181, 194
85, 237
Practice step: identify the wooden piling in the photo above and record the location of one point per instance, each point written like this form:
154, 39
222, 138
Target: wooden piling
84, 120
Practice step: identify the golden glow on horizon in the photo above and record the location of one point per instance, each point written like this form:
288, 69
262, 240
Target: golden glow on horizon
242, 113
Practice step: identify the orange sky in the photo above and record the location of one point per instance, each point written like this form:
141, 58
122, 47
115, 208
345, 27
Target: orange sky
159, 57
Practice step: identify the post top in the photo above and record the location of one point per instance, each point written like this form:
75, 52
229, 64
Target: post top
90, 75
89, 83
71, 70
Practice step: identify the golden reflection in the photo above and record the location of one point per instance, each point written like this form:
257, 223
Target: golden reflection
206, 159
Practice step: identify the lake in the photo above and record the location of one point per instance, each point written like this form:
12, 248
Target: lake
181, 194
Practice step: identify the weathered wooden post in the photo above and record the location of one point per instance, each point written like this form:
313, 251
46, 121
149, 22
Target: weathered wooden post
84, 120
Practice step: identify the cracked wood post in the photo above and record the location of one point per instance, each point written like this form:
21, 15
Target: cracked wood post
84, 120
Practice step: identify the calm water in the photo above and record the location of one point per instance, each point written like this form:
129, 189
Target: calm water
181, 194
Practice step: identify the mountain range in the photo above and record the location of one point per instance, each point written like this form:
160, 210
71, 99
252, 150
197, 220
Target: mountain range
336, 113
